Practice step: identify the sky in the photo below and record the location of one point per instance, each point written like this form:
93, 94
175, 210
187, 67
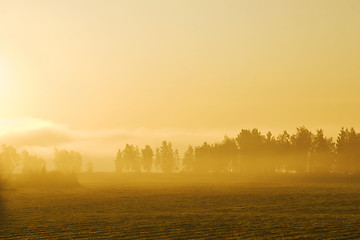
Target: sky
93, 75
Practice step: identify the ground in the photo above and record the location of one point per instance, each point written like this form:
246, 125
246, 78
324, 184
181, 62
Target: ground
178, 210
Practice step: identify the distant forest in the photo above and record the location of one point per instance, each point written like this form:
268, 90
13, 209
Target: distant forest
66, 162
251, 152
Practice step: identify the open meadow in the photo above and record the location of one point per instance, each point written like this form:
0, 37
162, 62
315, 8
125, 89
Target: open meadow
119, 209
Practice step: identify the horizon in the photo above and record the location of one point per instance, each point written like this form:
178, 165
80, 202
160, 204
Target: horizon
42, 138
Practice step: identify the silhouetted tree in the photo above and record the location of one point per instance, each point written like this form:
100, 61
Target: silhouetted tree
225, 156
270, 158
302, 143
131, 158
189, 159
9, 159
167, 157
137, 163
283, 152
128, 155
323, 154
231, 161
32, 164
252, 152
157, 160
119, 162
251, 149
67, 162
203, 158
147, 156
177, 161
348, 150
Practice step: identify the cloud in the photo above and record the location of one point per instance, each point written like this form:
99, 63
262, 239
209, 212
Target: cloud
23, 132
34, 132
44, 137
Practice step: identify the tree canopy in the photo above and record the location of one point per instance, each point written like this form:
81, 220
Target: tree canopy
252, 152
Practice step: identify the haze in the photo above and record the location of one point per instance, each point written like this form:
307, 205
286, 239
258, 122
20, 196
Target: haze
94, 75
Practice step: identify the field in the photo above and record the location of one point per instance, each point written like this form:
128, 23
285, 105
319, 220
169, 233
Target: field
176, 210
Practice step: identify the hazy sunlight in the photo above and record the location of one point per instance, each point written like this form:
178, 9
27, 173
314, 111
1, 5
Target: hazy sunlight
4, 78
184, 119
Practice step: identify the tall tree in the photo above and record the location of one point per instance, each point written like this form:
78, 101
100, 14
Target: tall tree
271, 160
230, 160
225, 157
131, 158
147, 156
167, 157
348, 150
119, 161
251, 149
177, 161
189, 160
302, 146
67, 162
203, 158
32, 164
323, 154
9, 159
283, 152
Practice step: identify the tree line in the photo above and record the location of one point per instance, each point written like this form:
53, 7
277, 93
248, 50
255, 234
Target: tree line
66, 162
131, 159
251, 152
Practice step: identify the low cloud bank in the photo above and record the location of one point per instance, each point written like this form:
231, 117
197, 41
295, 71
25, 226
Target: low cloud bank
99, 146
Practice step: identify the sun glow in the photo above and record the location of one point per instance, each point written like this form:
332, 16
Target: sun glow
4, 79
16, 125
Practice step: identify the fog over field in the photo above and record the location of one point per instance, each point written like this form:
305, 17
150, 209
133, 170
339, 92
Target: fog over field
183, 119
100, 146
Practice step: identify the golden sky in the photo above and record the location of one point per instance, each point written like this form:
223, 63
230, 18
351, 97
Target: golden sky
196, 68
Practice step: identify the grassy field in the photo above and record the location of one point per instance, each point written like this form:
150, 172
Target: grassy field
176, 210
